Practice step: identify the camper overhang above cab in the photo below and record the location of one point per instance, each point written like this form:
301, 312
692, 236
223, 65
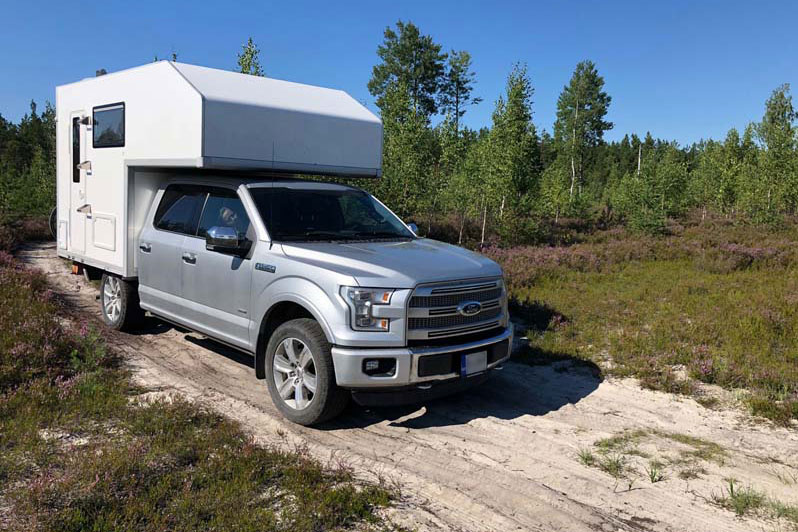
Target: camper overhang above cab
177, 114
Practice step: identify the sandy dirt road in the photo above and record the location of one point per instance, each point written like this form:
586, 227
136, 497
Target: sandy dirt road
503, 457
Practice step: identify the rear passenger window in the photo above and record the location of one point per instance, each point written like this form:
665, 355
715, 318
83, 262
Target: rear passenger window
180, 209
224, 209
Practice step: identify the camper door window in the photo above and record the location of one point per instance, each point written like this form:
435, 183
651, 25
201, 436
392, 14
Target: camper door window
109, 126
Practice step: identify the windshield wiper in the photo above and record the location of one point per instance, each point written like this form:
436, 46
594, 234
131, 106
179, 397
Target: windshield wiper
381, 234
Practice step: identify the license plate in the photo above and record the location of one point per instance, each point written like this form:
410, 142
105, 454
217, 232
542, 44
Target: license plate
471, 363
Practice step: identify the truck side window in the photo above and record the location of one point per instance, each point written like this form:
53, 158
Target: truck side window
180, 209
224, 209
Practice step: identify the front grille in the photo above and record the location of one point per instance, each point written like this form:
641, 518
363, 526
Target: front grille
453, 320
461, 339
433, 310
455, 299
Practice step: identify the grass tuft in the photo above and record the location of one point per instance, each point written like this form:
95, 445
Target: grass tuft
741, 501
655, 471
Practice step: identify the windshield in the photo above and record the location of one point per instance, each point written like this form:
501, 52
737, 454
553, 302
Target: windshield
295, 214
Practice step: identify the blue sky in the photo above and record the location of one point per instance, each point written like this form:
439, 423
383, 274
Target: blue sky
682, 70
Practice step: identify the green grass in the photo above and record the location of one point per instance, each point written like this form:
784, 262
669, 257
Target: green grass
747, 500
78, 452
721, 302
741, 501
655, 471
614, 454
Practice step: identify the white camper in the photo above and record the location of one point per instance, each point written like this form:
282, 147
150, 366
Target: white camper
119, 135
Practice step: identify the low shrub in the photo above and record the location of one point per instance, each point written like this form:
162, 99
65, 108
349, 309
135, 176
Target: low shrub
719, 302
80, 451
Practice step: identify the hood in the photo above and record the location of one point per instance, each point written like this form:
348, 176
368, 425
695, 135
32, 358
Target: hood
395, 264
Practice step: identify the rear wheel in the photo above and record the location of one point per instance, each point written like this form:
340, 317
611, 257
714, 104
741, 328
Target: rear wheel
119, 302
300, 374
53, 222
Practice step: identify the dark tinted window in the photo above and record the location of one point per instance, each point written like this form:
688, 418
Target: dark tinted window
109, 126
180, 209
224, 209
75, 150
295, 214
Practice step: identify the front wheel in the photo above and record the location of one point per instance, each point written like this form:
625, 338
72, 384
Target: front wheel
300, 374
119, 302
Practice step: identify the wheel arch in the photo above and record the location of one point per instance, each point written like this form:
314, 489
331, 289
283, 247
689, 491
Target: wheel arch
287, 309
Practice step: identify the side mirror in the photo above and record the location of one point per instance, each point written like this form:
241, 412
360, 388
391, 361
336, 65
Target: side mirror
413, 227
225, 240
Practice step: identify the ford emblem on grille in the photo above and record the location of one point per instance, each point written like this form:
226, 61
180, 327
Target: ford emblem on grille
469, 308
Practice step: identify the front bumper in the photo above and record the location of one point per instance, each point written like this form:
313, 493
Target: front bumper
349, 361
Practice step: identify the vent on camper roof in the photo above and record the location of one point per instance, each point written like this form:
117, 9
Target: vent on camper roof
100, 72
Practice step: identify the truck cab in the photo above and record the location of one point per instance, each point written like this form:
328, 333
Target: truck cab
330, 291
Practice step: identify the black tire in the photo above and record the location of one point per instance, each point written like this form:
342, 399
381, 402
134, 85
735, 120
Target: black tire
328, 400
119, 303
54, 223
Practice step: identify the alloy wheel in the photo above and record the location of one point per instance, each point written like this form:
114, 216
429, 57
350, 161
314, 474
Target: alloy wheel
294, 373
112, 298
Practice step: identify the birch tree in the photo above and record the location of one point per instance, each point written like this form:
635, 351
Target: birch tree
249, 59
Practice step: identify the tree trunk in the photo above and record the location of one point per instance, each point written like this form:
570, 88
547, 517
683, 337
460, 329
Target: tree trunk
639, 156
457, 113
484, 219
573, 153
462, 227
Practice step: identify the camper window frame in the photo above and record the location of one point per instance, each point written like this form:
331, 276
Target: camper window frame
94, 111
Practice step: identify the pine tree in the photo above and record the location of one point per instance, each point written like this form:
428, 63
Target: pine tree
455, 90
580, 123
412, 60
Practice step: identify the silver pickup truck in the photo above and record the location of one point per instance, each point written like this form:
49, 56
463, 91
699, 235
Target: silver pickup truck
330, 291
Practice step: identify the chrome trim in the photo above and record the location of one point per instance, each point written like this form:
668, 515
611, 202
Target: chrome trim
348, 372
454, 288
435, 312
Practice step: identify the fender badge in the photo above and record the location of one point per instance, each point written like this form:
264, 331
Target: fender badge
265, 267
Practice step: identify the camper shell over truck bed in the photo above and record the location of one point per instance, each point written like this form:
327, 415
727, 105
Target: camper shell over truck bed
122, 134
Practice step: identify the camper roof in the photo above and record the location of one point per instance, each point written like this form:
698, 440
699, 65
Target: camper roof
219, 119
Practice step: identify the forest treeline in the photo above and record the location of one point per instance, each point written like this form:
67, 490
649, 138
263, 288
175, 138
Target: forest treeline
509, 182
27, 164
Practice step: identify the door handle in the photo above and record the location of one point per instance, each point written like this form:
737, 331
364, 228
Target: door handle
145, 247
189, 258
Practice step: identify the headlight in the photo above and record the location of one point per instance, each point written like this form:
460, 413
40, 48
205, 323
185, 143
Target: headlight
361, 302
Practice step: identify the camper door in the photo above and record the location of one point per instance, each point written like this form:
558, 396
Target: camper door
77, 186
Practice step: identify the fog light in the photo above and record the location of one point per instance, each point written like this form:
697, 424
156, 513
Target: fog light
379, 367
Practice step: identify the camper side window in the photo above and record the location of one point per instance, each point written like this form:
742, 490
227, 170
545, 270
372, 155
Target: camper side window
109, 126
180, 209
75, 150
